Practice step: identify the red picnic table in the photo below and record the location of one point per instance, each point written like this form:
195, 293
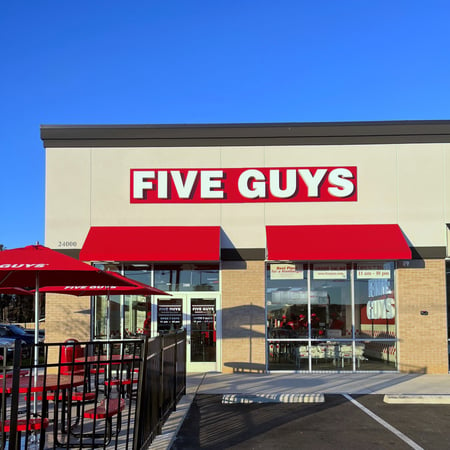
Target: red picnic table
29, 384
41, 383
96, 361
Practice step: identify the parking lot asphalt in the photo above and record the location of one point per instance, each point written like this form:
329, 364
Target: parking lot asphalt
337, 423
345, 411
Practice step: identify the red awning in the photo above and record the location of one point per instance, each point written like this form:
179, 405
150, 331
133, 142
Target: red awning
152, 244
336, 243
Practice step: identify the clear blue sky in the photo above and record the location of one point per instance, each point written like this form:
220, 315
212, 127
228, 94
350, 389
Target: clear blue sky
173, 61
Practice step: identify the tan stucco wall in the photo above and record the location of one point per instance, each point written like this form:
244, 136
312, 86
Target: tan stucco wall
422, 338
243, 316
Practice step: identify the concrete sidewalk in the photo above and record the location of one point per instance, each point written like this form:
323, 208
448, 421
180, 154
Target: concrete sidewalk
410, 387
323, 383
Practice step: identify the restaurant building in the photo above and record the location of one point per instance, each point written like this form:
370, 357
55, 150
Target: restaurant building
305, 247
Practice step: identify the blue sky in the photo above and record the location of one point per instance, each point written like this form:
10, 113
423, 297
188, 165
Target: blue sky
150, 62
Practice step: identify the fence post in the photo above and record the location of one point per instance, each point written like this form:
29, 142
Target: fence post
175, 375
142, 387
161, 383
13, 444
184, 344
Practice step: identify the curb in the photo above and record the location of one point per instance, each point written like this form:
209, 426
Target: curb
173, 424
417, 399
273, 398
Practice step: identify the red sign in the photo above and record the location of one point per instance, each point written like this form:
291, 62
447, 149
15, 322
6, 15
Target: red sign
255, 185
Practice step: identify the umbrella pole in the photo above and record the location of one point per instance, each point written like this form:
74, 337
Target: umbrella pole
36, 338
108, 323
36, 321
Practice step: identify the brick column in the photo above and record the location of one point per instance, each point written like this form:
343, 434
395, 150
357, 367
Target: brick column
66, 317
422, 346
243, 316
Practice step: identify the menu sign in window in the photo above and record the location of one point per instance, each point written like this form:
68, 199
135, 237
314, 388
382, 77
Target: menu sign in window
286, 271
330, 272
202, 313
170, 314
372, 271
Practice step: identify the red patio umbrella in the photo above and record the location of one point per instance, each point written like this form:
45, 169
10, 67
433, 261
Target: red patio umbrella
35, 266
138, 288
15, 291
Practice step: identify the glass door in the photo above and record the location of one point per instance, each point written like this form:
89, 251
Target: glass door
202, 335
198, 315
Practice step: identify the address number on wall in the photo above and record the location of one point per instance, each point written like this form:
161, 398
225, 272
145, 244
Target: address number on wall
66, 244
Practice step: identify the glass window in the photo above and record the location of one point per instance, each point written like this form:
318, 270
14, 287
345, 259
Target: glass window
137, 308
331, 316
331, 300
287, 298
287, 312
187, 277
375, 300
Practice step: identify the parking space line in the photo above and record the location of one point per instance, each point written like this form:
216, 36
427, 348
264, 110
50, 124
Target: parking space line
398, 433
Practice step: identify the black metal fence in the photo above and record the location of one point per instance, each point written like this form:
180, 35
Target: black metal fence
102, 394
165, 383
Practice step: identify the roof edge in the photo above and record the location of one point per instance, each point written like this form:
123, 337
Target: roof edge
289, 133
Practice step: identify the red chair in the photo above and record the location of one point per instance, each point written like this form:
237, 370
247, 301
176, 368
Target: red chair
70, 351
107, 409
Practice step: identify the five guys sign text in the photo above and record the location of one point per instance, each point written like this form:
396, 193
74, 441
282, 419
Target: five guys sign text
287, 184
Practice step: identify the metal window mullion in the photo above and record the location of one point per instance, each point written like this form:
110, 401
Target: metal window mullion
308, 273
266, 312
352, 290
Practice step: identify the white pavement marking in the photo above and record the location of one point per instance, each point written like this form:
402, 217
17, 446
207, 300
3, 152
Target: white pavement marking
398, 433
273, 398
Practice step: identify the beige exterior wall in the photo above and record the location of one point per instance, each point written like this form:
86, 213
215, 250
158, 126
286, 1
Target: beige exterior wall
405, 184
243, 316
423, 338
91, 187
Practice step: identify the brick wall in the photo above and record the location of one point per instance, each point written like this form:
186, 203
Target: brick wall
66, 317
422, 338
243, 316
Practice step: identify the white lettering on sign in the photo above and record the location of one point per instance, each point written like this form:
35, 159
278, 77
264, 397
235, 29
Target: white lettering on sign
381, 309
211, 184
140, 182
252, 184
23, 266
312, 181
83, 288
276, 184
301, 184
340, 178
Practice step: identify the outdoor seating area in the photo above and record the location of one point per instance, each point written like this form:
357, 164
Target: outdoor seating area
97, 395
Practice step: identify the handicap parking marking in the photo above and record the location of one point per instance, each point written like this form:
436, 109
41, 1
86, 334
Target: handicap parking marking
385, 424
